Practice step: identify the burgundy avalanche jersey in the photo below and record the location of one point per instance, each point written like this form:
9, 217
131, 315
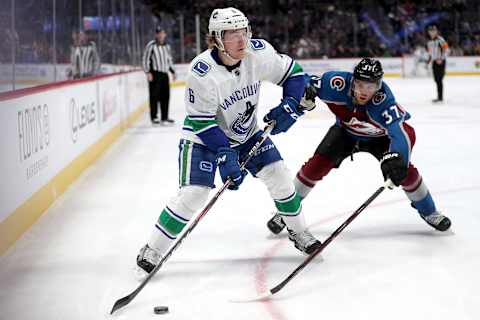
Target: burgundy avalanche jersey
381, 116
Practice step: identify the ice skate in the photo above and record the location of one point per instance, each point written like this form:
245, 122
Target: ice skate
276, 224
304, 241
147, 260
437, 221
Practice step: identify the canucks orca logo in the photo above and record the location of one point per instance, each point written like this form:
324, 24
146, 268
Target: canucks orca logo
378, 98
206, 166
241, 125
201, 68
257, 44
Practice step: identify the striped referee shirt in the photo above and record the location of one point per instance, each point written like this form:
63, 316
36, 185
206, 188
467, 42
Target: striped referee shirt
437, 48
157, 57
84, 60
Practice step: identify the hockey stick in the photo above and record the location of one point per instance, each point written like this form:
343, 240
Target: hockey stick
120, 303
267, 294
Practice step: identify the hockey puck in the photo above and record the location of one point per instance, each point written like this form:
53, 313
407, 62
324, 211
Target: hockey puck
160, 309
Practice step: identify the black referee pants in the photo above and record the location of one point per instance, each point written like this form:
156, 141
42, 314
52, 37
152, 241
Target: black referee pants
438, 74
159, 91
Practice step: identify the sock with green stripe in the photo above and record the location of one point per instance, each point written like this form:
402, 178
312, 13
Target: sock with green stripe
175, 216
290, 209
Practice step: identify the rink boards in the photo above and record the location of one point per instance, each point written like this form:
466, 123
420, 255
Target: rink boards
405, 67
27, 75
51, 134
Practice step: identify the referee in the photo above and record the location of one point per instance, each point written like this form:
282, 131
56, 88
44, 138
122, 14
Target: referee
438, 51
84, 58
157, 62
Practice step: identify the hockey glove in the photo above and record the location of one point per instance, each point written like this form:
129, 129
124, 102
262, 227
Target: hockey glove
284, 115
308, 99
227, 162
393, 167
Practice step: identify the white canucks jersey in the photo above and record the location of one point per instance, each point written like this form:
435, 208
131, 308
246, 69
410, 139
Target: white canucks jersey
215, 96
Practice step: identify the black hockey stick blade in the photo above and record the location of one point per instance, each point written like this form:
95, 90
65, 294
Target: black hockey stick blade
267, 294
120, 303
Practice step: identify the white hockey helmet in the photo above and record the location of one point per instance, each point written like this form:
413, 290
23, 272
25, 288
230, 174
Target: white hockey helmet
227, 19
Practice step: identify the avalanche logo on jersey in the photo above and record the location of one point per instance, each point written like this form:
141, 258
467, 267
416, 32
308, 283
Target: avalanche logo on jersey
201, 68
362, 128
257, 44
378, 98
242, 124
337, 83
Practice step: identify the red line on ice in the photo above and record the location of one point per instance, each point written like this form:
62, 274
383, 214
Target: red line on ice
260, 275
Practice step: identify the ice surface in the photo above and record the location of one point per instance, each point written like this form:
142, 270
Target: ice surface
77, 260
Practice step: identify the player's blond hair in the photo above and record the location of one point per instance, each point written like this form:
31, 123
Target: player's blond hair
211, 41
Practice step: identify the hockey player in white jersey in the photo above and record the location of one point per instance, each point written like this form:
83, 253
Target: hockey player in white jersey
221, 98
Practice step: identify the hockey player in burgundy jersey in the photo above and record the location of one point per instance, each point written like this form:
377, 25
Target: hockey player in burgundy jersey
367, 119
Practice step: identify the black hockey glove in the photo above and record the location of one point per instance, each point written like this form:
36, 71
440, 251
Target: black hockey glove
310, 93
393, 167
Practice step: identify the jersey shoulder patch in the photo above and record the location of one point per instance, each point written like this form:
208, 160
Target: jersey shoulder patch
201, 68
384, 96
257, 44
379, 98
337, 82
